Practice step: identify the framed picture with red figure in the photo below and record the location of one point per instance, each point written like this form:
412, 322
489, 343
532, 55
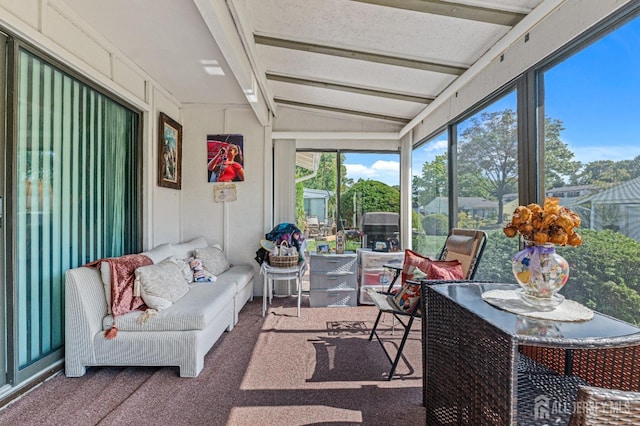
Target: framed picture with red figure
225, 158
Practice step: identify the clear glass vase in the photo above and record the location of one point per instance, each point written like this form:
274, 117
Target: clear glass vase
541, 272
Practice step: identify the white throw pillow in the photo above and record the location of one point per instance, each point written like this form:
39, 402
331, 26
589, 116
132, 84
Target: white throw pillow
159, 253
185, 250
213, 259
160, 284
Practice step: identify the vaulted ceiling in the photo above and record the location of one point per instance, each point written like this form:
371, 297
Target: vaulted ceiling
382, 59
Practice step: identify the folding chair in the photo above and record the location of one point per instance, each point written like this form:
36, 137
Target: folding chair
313, 226
465, 246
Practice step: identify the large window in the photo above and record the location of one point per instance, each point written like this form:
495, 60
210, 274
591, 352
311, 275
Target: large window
76, 196
583, 149
592, 163
430, 195
487, 180
355, 192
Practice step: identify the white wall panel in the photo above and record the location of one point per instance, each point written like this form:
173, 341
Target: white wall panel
128, 78
61, 30
165, 204
26, 10
238, 225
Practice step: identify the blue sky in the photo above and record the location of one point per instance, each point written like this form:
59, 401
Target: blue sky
595, 93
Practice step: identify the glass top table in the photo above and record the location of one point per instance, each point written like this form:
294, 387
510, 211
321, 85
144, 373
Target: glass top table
598, 332
472, 363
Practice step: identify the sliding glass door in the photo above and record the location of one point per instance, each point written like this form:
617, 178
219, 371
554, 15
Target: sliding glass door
75, 177
3, 281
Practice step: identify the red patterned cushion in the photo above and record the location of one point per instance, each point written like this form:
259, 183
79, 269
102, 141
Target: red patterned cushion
445, 270
417, 266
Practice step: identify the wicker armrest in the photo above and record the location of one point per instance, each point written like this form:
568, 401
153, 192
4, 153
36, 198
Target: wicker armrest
598, 406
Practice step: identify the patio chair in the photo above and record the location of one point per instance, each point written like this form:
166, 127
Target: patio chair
313, 226
458, 260
598, 406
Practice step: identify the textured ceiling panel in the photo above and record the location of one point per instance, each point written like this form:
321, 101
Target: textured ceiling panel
362, 73
385, 58
378, 29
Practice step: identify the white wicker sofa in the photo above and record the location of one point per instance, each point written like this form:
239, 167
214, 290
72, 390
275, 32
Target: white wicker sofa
179, 335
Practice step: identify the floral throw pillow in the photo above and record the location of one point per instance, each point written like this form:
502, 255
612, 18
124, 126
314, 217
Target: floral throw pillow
213, 259
407, 297
414, 266
160, 284
184, 267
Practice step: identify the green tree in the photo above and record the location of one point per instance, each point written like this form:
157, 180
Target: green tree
603, 172
488, 157
432, 182
559, 166
488, 154
369, 196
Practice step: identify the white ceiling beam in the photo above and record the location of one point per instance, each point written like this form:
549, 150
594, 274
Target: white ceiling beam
386, 117
454, 10
336, 135
361, 90
358, 54
219, 21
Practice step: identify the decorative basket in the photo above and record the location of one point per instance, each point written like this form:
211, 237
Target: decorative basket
283, 261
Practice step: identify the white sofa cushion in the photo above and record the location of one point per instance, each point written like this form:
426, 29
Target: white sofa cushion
237, 277
194, 311
213, 259
185, 250
161, 284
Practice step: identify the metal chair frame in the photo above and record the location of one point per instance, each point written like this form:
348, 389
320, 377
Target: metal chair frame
385, 304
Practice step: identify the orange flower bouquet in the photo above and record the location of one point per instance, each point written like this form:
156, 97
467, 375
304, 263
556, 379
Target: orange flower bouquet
549, 224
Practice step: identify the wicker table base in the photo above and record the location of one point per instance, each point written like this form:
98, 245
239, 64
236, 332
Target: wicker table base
474, 372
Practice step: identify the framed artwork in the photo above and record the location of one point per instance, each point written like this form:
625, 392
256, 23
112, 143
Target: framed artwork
225, 158
169, 152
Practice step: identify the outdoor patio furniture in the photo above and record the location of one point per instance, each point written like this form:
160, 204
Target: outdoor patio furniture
313, 226
463, 245
597, 406
472, 355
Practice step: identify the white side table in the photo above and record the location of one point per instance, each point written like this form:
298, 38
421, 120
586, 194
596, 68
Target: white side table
270, 274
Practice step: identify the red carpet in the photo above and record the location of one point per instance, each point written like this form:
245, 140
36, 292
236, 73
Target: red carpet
279, 370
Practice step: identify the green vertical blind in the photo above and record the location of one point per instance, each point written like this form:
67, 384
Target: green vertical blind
76, 193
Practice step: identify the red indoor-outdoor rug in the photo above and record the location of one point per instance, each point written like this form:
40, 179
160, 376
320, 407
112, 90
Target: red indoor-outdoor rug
279, 370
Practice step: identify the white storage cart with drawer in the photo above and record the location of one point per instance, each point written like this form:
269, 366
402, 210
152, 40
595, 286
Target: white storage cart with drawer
333, 280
